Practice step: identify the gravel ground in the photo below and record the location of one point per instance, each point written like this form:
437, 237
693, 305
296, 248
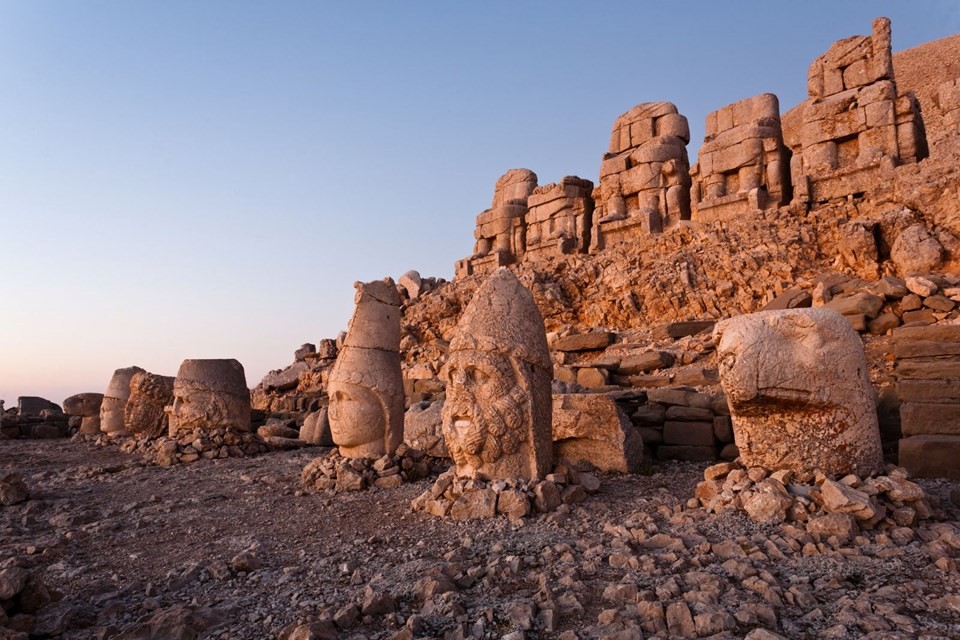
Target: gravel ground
234, 549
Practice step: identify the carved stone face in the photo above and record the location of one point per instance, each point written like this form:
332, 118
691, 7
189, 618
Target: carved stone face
357, 420
483, 416
208, 395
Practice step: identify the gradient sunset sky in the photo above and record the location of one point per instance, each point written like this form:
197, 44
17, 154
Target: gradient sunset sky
187, 179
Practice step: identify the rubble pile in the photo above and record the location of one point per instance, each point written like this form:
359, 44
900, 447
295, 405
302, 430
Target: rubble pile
462, 498
336, 473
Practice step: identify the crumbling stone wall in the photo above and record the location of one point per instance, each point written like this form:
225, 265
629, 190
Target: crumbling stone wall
743, 163
856, 128
645, 175
559, 218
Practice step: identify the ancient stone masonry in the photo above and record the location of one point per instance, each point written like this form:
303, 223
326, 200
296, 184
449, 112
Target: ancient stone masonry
559, 218
948, 101
500, 229
928, 386
115, 401
743, 163
366, 383
855, 127
149, 394
209, 395
644, 177
798, 389
496, 419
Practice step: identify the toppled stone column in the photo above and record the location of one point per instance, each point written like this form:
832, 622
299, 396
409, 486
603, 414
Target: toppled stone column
798, 389
856, 127
743, 163
644, 177
497, 415
500, 229
115, 401
87, 407
366, 383
149, 394
559, 218
209, 395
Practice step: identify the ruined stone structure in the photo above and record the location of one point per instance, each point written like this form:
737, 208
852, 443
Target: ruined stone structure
645, 175
743, 163
149, 394
500, 229
209, 395
798, 389
855, 126
497, 416
366, 383
115, 401
559, 218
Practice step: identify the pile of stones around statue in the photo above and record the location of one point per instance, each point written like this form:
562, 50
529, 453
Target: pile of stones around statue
333, 472
465, 498
239, 552
828, 505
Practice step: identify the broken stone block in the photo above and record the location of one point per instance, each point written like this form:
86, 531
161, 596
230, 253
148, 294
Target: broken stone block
592, 428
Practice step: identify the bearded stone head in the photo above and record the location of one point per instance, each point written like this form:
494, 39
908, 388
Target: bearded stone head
496, 418
209, 395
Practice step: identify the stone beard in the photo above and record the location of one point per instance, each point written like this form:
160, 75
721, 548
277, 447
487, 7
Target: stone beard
488, 411
197, 407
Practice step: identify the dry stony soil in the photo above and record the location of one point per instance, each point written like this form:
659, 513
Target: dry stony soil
234, 549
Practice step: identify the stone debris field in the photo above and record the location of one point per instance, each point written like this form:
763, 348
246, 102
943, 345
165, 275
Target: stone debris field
711, 399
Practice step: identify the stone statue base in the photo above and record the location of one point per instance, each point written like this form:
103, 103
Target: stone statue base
333, 472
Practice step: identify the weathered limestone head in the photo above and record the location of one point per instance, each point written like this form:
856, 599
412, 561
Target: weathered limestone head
366, 384
515, 184
149, 395
115, 401
798, 388
497, 415
209, 394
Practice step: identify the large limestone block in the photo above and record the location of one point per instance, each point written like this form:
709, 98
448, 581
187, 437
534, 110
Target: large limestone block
496, 418
83, 404
366, 383
209, 395
115, 400
931, 456
149, 395
592, 428
798, 389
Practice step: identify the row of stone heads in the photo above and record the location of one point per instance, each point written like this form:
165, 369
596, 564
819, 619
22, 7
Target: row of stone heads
205, 394
796, 381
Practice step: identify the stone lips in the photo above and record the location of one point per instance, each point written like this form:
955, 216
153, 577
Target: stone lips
799, 393
497, 417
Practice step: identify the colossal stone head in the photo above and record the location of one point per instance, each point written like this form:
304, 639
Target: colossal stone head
115, 401
799, 391
366, 384
209, 394
497, 415
149, 395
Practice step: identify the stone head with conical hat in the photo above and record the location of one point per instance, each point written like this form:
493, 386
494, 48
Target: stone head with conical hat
209, 395
366, 384
497, 415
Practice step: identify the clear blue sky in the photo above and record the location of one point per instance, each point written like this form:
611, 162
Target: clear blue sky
187, 179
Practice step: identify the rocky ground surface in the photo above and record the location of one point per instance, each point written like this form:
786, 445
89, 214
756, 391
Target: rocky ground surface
233, 548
